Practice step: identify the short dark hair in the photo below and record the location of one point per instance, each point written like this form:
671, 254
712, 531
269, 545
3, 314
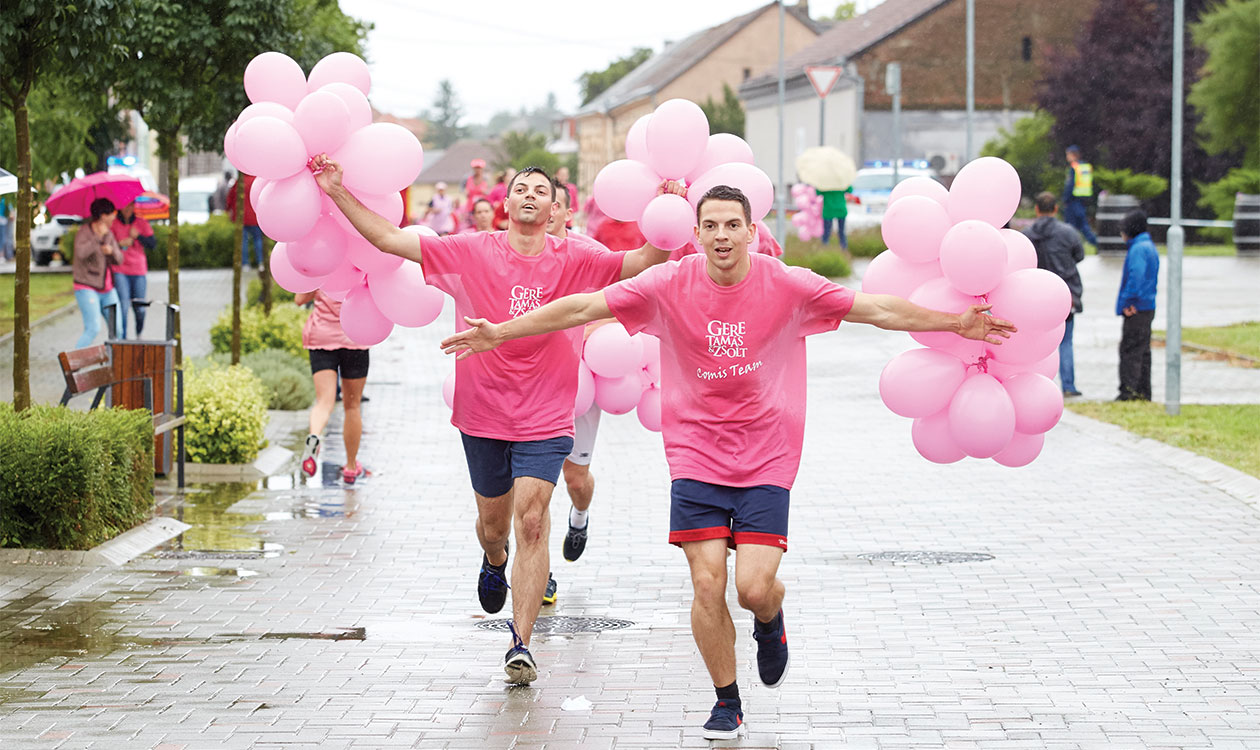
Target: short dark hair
726, 193
1134, 223
1046, 202
100, 207
533, 170
482, 200
559, 188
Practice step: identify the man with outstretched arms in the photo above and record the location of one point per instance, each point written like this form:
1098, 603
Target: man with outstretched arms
514, 408
732, 327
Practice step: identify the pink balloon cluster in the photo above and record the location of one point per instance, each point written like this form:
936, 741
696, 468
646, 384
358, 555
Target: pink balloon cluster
808, 216
294, 118
947, 250
673, 143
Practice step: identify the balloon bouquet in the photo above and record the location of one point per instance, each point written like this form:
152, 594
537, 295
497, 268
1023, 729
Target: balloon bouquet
808, 217
947, 251
294, 118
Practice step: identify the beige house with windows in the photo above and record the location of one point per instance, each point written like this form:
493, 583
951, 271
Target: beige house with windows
695, 68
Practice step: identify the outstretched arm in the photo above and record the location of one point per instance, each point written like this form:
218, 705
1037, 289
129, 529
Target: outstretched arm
896, 314
566, 312
635, 262
374, 227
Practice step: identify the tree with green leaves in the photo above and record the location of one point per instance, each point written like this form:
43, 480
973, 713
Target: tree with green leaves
726, 116
845, 10
443, 119
39, 40
596, 82
1229, 78
1029, 147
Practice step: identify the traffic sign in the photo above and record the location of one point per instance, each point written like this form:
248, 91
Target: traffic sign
823, 77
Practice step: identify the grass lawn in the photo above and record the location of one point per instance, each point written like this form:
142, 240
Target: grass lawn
1240, 338
49, 291
1198, 251
1228, 433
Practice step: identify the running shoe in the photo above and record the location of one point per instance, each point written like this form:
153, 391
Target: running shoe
549, 596
310, 454
772, 650
575, 541
492, 585
518, 663
349, 475
726, 721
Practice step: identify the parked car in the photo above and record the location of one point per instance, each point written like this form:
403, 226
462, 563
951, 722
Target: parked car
872, 187
195, 193
46, 237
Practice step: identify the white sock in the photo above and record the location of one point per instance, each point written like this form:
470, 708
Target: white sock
577, 518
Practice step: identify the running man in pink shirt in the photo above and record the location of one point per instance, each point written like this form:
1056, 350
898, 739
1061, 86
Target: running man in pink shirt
732, 326
513, 408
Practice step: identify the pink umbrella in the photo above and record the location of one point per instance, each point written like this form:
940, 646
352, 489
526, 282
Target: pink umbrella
76, 198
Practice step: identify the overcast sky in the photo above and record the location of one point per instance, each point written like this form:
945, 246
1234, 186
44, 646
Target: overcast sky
483, 46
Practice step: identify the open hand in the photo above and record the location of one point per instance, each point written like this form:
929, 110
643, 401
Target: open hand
981, 327
327, 173
482, 336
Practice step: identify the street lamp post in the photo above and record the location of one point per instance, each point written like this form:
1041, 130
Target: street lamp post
1176, 235
779, 226
971, 77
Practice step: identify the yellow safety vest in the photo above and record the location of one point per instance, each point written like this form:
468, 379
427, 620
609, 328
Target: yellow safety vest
1084, 185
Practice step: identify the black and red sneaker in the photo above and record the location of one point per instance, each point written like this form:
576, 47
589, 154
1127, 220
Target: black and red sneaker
772, 650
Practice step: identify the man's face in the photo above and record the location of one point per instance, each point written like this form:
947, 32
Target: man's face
559, 221
483, 216
529, 201
477, 174
724, 234
1070, 156
562, 174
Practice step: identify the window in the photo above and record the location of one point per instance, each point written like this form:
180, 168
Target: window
747, 73
1027, 51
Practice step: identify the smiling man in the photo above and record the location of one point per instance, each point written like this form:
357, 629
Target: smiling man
514, 408
732, 327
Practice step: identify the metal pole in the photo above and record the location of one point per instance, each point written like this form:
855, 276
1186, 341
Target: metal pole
780, 227
896, 105
822, 121
971, 75
1176, 235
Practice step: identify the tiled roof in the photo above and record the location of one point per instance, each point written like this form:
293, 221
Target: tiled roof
452, 165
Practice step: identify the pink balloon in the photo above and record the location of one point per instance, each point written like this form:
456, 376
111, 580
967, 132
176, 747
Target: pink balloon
938, 294
651, 360
269, 147
1038, 402
889, 274
1027, 346
275, 77
987, 190
973, 256
341, 67
288, 209
1049, 366
611, 352
448, 390
981, 416
323, 121
336, 294
255, 190
933, 440
380, 158
722, 148
650, 409
1021, 451
1020, 252
924, 186
920, 382
913, 228
624, 188
362, 320
345, 278
676, 138
668, 222
403, 296
750, 180
229, 145
365, 255
618, 395
389, 206
636, 139
356, 102
283, 273
321, 251
585, 390
1032, 299
265, 109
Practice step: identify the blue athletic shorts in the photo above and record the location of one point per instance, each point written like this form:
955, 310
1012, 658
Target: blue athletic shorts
741, 515
494, 464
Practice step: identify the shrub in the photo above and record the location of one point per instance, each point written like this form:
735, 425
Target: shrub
280, 330
286, 378
829, 263
73, 479
1124, 182
279, 295
208, 245
866, 243
1029, 147
1219, 197
227, 411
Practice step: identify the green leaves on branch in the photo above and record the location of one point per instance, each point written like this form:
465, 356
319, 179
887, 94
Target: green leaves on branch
280, 330
1126, 182
227, 412
1225, 94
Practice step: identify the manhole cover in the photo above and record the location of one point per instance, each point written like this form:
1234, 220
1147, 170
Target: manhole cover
926, 557
561, 624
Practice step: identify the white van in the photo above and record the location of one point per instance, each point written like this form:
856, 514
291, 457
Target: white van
195, 193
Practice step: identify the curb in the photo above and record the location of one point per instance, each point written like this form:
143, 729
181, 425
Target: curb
1225, 353
271, 460
60, 312
117, 551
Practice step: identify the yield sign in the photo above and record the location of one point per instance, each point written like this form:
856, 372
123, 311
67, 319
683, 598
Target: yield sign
823, 77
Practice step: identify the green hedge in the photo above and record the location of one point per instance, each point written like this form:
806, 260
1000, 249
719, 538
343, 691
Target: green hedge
207, 245
279, 295
73, 479
280, 330
285, 377
226, 409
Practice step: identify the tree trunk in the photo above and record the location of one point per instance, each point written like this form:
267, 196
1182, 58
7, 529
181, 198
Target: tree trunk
264, 274
239, 234
168, 143
22, 274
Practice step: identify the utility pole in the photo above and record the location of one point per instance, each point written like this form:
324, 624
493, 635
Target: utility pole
892, 85
780, 227
1176, 235
971, 77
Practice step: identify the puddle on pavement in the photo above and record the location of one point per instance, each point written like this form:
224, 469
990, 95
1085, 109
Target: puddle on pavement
205, 508
30, 634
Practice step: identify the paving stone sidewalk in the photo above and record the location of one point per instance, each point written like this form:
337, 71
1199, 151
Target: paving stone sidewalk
1112, 600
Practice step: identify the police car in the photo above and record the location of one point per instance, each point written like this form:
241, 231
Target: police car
874, 183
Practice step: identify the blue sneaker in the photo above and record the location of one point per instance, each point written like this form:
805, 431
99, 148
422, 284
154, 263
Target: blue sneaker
726, 721
772, 650
518, 663
549, 596
492, 585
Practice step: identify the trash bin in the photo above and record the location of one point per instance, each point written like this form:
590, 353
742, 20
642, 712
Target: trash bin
1247, 224
1111, 212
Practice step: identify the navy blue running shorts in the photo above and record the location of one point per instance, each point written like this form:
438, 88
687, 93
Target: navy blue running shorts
494, 464
741, 515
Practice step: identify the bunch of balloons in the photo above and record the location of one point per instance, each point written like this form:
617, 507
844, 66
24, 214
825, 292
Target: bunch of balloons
294, 118
947, 250
673, 143
808, 216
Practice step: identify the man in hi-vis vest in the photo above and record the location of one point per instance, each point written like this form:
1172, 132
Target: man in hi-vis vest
1078, 191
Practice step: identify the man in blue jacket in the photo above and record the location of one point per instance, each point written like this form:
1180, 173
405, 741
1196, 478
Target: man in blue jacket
1136, 302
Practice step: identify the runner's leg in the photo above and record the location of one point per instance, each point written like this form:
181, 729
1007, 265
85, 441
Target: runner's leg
711, 624
531, 501
494, 524
760, 591
352, 428
325, 391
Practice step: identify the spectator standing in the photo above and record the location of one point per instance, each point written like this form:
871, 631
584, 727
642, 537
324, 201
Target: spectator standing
131, 277
95, 253
835, 208
1059, 249
1136, 302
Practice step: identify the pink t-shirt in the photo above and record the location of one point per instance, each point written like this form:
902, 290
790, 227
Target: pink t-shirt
525, 389
134, 263
732, 363
322, 329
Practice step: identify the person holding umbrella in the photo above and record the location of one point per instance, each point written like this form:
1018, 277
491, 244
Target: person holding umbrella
95, 253
830, 171
135, 237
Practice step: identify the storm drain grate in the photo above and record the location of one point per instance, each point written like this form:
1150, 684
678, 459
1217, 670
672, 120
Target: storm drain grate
563, 625
211, 555
925, 557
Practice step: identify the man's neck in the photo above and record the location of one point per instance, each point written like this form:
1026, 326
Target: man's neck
527, 239
732, 276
